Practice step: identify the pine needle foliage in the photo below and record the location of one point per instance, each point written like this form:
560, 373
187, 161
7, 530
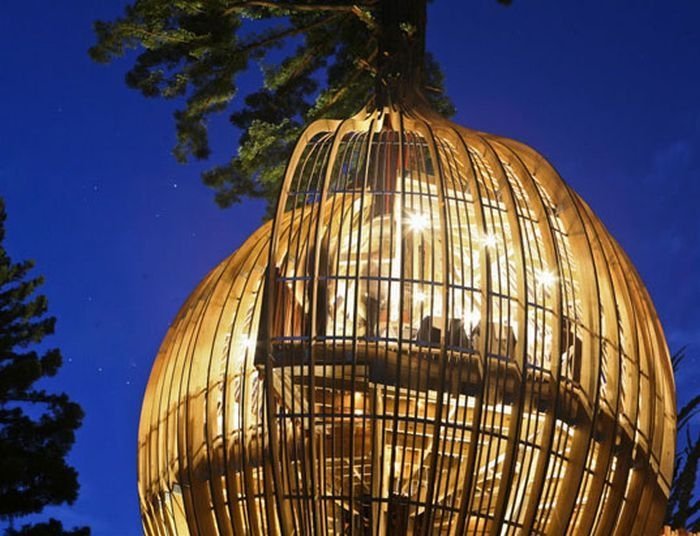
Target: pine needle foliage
683, 509
318, 59
37, 428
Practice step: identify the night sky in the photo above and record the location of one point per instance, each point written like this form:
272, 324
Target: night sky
608, 90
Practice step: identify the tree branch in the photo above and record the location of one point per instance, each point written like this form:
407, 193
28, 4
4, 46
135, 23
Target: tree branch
287, 6
284, 34
346, 86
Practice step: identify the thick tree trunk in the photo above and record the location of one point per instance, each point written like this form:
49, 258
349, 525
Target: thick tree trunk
401, 50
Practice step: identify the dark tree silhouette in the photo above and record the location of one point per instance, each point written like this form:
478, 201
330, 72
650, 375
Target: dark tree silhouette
195, 51
683, 507
37, 428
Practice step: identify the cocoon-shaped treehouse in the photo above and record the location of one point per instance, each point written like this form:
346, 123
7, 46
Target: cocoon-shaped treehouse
434, 335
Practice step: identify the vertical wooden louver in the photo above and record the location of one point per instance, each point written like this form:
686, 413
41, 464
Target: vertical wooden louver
434, 335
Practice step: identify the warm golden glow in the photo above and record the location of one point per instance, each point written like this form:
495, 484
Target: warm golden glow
418, 222
489, 241
435, 335
546, 278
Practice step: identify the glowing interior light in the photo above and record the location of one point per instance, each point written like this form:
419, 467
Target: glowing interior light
471, 318
405, 371
359, 403
418, 222
247, 342
546, 278
419, 296
488, 240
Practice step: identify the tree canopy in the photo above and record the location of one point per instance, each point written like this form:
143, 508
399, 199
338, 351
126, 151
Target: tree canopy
318, 59
37, 428
683, 509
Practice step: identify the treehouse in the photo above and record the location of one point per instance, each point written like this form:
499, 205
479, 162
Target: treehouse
433, 335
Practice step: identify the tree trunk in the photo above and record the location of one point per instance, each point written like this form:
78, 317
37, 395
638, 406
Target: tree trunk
401, 50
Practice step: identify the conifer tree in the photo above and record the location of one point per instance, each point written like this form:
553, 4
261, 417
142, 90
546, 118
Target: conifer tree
195, 51
683, 509
37, 428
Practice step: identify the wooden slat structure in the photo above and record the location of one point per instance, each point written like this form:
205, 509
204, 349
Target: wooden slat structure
434, 335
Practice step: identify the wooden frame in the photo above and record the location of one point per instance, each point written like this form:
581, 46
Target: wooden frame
435, 335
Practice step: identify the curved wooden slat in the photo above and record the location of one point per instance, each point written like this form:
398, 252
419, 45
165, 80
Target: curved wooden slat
434, 335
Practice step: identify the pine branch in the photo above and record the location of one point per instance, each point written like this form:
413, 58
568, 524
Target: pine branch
291, 69
340, 93
338, 39
677, 358
287, 6
288, 32
688, 411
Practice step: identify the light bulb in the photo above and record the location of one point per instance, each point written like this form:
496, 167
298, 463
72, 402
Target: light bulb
489, 240
471, 318
546, 278
247, 342
418, 222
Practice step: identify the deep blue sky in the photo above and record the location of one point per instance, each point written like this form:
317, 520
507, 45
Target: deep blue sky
608, 90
